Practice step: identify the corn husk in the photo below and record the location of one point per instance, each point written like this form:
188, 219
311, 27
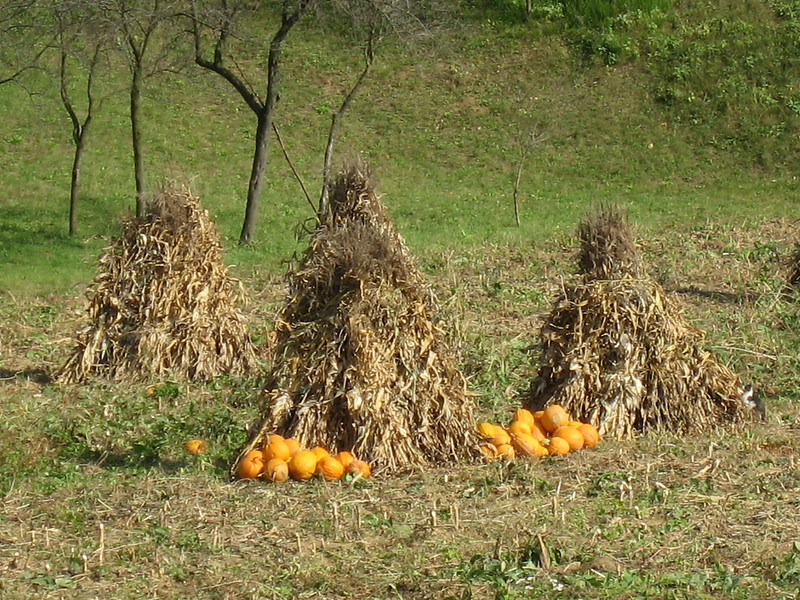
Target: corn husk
162, 302
360, 363
617, 352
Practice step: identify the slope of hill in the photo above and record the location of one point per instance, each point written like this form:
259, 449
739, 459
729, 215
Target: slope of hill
683, 113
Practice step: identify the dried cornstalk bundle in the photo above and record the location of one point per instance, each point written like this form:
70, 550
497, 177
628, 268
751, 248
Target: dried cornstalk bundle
618, 353
162, 301
359, 363
608, 249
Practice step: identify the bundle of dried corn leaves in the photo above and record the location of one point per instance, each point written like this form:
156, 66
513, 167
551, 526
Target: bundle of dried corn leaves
359, 363
617, 352
162, 301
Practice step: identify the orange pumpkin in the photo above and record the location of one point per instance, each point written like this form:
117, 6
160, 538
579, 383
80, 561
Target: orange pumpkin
345, 458
527, 445
590, 435
251, 465
488, 450
276, 470
277, 448
500, 437
274, 436
303, 465
506, 451
293, 445
524, 415
554, 416
573, 437
320, 452
330, 468
519, 427
360, 468
195, 446
537, 432
558, 446
486, 430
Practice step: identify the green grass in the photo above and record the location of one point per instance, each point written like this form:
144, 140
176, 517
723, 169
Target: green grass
99, 497
100, 500
441, 132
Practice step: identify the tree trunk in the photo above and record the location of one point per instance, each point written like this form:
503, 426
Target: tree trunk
79, 131
80, 144
256, 178
264, 111
136, 138
265, 116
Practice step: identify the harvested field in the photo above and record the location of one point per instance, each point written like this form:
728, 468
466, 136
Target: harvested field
99, 499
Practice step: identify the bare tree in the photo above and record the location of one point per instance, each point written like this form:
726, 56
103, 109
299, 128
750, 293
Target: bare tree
371, 22
84, 45
526, 142
217, 25
336, 118
217, 22
148, 39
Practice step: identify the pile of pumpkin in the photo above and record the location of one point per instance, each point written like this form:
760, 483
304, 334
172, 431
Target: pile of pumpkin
283, 458
548, 432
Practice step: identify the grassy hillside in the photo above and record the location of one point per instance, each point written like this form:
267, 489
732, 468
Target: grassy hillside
442, 127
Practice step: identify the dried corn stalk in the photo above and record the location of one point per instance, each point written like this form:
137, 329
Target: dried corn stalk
617, 352
162, 301
359, 363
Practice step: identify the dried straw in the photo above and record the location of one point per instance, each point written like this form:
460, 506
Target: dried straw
608, 248
162, 301
359, 363
617, 352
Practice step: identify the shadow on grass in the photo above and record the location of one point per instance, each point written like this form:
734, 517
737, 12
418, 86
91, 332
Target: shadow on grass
717, 296
39, 376
139, 458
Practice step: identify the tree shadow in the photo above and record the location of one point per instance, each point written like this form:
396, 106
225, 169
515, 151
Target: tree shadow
39, 376
718, 296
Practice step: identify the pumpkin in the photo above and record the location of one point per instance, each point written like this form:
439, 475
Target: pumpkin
345, 458
554, 416
500, 437
524, 415
274, 436
195, 446
486, 430
303, 465
506, 451
293, 445
488, 450
573, 437
320, 452
590, 435
537, 431
277, 448
359, 468
251, 465
276, 470
330, 468
519, 427
526, 445
557, 446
